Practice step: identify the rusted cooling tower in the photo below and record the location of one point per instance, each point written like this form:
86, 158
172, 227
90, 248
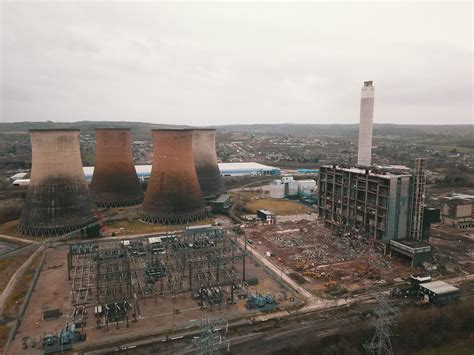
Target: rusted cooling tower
205, 160
173, 195
115, 181
58, 199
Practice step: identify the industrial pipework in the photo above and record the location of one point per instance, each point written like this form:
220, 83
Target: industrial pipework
115, 182
58, 200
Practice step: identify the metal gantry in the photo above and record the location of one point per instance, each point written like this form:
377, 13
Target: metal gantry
204, 261
211, 336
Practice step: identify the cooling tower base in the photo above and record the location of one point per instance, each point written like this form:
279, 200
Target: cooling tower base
146, 218
110, 204
49, 231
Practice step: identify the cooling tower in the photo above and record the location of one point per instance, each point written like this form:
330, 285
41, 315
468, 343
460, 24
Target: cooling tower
115, 181
205, 160
173, 195
58, 199
364, 154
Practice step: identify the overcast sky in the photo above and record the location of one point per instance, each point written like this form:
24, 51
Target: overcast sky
229, 63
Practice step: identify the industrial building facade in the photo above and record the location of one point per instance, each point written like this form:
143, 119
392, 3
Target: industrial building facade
457, 211
377, 203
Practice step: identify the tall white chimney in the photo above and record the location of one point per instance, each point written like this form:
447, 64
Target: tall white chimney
364, 155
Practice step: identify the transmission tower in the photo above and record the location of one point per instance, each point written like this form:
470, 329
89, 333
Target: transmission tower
380, 343
210, 337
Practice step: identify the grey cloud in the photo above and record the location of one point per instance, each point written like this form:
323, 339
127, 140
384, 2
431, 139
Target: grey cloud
220, 63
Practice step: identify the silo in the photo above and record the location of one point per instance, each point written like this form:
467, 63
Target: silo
58, 199
173, 195
115, 182
205, 160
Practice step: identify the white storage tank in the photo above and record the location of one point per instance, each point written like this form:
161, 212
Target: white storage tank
292, 188
306, 186
277, 190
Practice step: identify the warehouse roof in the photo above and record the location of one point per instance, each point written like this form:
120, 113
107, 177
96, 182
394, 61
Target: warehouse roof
386, 172
250, 166
223, 167
439, 287
222, 198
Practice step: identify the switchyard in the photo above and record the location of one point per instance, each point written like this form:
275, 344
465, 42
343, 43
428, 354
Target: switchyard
206, 261
143, 284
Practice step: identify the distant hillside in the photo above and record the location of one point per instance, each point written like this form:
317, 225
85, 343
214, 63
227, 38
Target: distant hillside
141, 130
351, 129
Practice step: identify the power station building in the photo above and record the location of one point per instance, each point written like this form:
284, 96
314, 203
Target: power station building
205, 161
58, 200
376, 202
173, 195
381, 202
364, 154
115, 182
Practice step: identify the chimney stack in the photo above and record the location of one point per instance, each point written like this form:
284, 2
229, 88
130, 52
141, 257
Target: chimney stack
364, 155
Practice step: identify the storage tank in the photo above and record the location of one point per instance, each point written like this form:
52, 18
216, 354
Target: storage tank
58, 200
115, 182
292, 189
277, 190
205, 160
173, 195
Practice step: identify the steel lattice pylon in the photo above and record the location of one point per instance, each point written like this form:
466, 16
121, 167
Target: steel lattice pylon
210, 337
380, 343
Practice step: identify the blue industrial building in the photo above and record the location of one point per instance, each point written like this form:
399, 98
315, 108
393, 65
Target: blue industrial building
226, 169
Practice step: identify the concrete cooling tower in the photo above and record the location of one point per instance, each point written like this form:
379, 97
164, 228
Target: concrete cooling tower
205, 160
58, 199
173, 195
115, 182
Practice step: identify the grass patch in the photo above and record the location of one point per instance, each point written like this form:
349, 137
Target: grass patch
459, 149
8, 268
9, 228
15, 299
279, 207
137, 227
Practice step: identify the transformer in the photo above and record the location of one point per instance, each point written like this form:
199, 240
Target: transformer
173, 195
58, 200
205, 160
115, 182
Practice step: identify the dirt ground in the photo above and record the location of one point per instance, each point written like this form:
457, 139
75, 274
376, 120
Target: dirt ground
453, 249
329, 263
